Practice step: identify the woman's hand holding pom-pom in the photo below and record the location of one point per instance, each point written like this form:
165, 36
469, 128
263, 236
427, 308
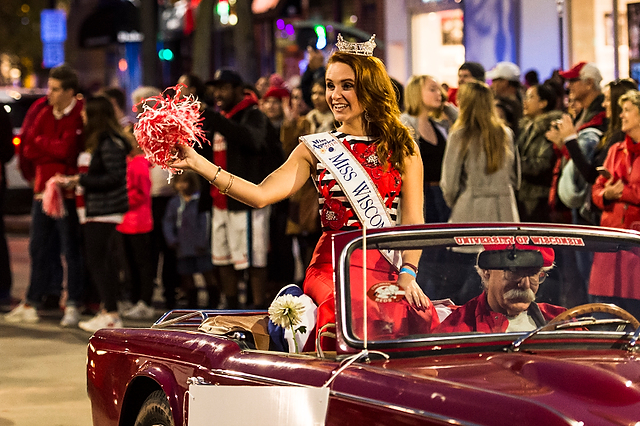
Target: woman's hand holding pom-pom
167, 125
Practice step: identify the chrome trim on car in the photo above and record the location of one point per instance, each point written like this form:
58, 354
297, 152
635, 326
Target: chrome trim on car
341, 272
634, 340
195, 317
238, 375
403, 409
434, 416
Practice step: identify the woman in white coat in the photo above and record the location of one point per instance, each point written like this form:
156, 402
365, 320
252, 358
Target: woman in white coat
479, 171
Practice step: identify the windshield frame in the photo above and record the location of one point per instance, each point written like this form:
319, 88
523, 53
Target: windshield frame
346, 243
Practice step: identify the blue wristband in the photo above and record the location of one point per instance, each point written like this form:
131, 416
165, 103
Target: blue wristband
405, 270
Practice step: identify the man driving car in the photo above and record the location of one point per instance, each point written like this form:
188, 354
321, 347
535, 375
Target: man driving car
511, 276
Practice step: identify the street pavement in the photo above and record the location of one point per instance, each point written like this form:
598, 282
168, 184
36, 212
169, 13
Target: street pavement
42, 366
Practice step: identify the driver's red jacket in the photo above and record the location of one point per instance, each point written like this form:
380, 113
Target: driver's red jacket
476, 315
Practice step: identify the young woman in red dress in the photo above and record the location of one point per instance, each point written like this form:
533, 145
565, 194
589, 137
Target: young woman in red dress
362, 99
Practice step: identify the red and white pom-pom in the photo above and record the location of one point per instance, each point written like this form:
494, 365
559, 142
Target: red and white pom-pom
52, 199
166, 121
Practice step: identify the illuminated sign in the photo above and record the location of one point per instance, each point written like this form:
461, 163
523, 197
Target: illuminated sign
53, 26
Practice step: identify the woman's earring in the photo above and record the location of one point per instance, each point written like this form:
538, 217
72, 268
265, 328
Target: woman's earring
366, 116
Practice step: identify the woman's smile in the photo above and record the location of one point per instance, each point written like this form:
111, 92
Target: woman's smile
341, 96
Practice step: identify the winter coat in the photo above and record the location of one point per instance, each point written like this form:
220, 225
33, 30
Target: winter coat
139, 219
472, 194
105, 183
52, 145
253, 147
476, 315
573, 188
537, 161
185, 228
623, 162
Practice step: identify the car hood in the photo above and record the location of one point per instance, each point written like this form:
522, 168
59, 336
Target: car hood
520, 388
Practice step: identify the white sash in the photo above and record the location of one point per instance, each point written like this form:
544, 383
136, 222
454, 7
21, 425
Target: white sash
356, 184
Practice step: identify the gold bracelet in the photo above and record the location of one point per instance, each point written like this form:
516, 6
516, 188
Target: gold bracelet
216, 176
228, 186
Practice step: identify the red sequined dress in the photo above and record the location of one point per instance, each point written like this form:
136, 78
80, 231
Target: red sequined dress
336, 215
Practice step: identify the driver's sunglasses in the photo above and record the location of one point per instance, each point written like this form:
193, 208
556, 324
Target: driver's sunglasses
515, 277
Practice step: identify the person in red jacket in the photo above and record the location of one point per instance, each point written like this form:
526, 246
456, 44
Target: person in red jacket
617, 192
28, 170
52, 147
136, 228
511, 277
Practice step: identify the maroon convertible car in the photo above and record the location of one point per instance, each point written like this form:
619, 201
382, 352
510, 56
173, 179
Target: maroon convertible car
381, 363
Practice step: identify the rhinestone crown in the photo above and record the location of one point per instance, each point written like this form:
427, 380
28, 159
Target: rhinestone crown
362, 49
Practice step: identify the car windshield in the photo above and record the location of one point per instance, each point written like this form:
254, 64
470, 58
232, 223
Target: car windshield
484, 281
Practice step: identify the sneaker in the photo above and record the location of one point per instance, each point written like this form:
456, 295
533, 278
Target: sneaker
140, 311
102, 320
22, 313
124, 306
71, 317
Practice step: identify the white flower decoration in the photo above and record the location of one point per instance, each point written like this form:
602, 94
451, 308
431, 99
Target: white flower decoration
286, 311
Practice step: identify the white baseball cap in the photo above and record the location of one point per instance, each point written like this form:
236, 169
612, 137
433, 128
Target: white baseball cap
583, 71
505, 70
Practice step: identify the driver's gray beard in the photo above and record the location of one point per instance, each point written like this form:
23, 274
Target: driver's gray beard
520, 295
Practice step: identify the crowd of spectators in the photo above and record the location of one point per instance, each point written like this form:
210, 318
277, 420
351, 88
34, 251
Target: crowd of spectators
513, 149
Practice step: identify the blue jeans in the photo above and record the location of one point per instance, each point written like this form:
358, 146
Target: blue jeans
42, 233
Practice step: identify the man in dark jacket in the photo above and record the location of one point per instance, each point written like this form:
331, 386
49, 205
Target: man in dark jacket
247, 145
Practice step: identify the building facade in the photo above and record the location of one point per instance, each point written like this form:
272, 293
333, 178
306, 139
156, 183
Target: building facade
435, 36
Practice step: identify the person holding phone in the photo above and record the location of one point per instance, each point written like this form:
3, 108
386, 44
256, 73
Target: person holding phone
537, 155
561, 134
617, 189
602, 171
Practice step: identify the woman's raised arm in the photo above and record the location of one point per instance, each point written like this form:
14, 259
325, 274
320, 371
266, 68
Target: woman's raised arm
280, 184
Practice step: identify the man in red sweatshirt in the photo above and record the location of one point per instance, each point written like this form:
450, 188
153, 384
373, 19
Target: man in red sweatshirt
52, 146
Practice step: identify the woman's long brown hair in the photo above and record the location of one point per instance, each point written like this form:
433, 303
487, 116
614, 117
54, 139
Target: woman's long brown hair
478, 120
101, 120
377, 96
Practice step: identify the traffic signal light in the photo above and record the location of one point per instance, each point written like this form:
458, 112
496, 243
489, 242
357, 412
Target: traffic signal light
225, 9
321, 33
315, 36
222, 8
165, 55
